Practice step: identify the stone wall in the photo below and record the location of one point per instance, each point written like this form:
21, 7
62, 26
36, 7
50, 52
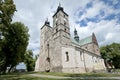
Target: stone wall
80, 60
92, 48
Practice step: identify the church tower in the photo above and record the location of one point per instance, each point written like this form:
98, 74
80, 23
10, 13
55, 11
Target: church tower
61, 25
60, 37
46, 32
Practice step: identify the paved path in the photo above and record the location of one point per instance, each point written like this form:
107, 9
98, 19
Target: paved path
89, 78
49, 76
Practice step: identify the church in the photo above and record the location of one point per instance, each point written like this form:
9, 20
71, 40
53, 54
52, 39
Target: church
61, 53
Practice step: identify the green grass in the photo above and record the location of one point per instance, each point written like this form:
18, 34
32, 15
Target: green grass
25, 76
80, 74
19, 76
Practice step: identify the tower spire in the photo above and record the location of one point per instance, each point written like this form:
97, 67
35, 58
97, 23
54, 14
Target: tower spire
75, 32
47, 19
47, 22
59, 7
76, 37
59, 4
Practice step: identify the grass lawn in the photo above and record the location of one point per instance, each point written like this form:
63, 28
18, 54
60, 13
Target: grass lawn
25, 76
80, 74
21, 76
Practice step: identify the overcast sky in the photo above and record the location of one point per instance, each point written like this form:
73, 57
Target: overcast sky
99, 16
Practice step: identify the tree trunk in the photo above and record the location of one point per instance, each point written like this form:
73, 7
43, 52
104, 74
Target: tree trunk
4, 69
10, 69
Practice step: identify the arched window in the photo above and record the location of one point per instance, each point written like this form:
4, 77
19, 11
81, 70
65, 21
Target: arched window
64, 23
56, 30
65, 29
81, 55
56, 24
64, 16
67, 56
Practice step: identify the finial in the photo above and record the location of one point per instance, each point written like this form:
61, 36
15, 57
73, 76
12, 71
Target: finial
47, 19
75, 29
47, 22
59, 4
59, 7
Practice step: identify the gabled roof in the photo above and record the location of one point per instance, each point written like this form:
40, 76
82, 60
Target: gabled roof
83, 41
86, 40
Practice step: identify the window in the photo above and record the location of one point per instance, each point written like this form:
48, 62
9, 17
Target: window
65, 29
81, 56
56, 24
56, 30
64, 23
48, 59
64, 16
67, 56
47, 44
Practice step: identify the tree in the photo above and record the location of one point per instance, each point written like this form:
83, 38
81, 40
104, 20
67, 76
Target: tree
111, 54
13, 37
7, 9
29, 60
16, 44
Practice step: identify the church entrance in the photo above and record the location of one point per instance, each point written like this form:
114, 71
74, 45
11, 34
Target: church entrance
47, 66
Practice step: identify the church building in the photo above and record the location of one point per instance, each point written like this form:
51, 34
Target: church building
61, 53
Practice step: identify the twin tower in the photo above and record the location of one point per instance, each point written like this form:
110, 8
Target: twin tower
60, 53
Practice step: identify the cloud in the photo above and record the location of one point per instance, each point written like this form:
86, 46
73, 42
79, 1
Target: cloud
98, 16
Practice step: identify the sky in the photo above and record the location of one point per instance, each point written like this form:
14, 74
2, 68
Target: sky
99, 16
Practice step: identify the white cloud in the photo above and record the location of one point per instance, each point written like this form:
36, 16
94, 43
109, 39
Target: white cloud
33, 13
106, 31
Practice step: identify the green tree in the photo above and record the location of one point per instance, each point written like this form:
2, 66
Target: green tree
13, 37
111, 53
16, 44
29, 60
7, 9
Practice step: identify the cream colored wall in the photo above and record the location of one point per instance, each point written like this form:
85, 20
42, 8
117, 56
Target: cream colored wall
74, 65
86, 62
71, 62
75, 58
79, 59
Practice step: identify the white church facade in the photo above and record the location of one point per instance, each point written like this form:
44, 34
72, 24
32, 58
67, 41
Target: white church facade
61, 53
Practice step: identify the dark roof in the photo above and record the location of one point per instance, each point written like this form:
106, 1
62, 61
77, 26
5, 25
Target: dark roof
60, 9
47, 23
